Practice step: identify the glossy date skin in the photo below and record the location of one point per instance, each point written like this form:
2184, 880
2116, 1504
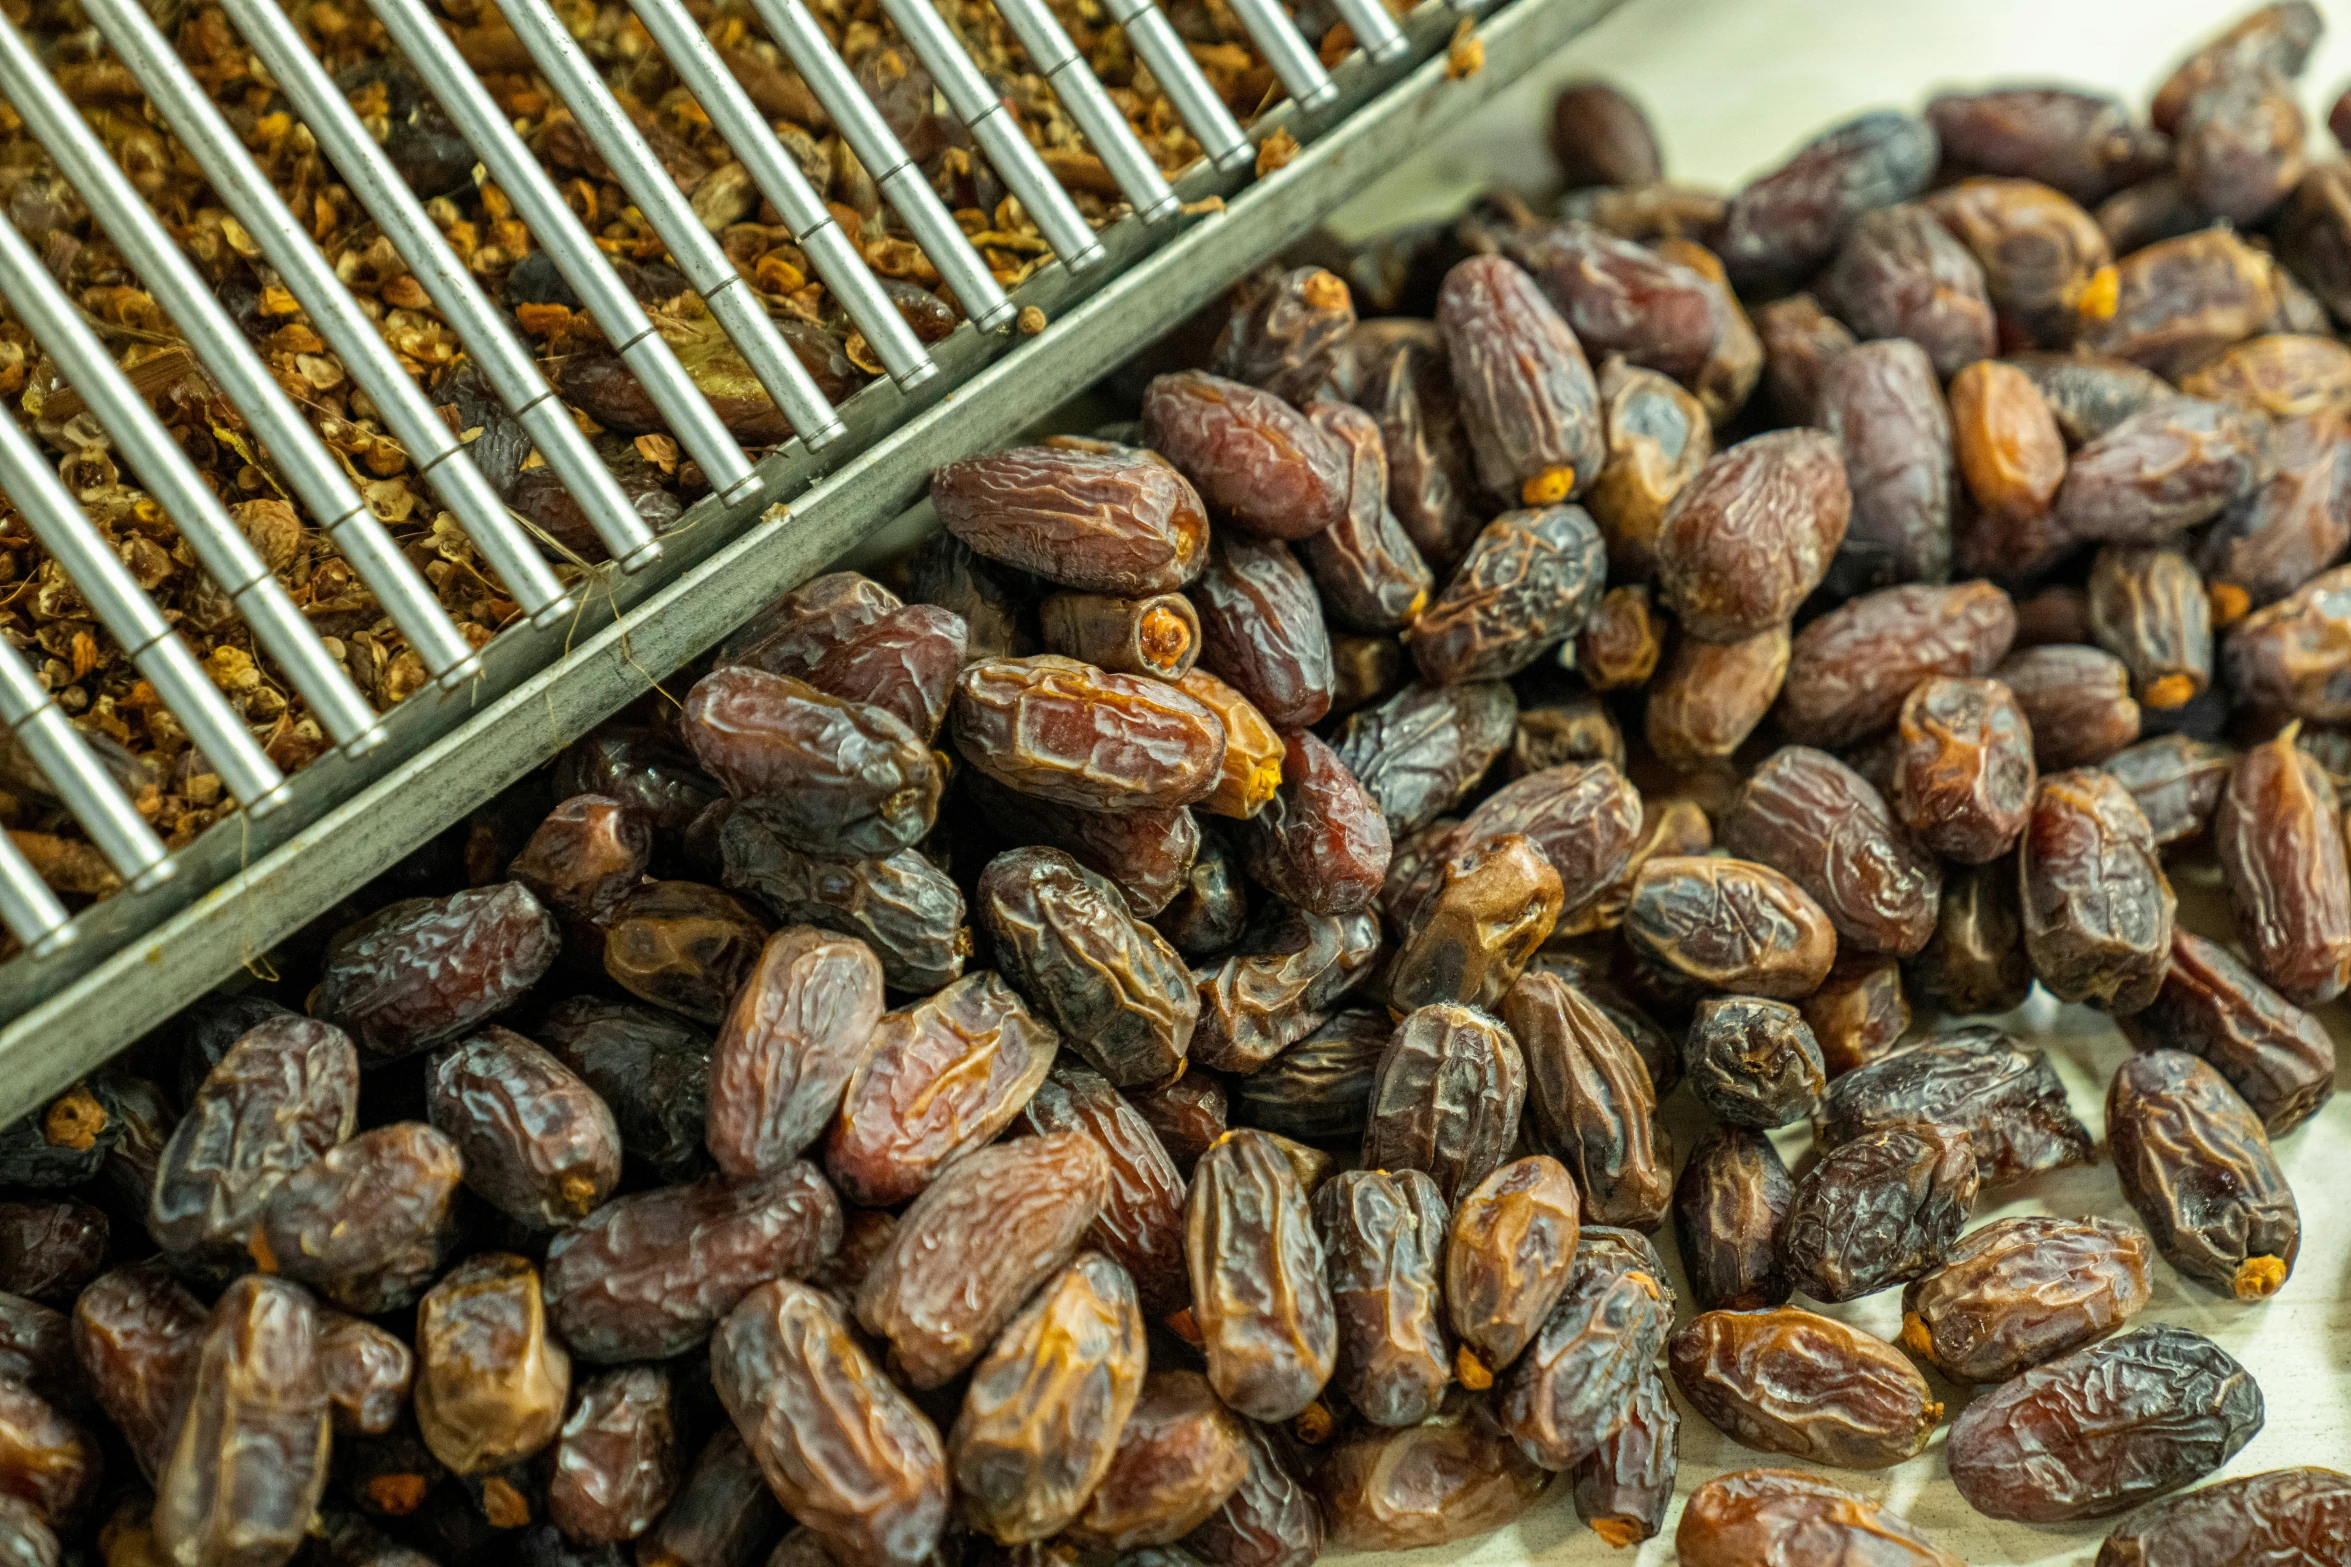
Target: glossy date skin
1180, 1454
1732, 924
1493, 905
618, 1460
1574, 1384
1508, 1259
1850, 671
2148, 607
2276, 1515
1425, 1485
2177, 781
2002, 1091
2290, 529
1384, 1241
1752, 534
1619, 298
2278, 1058
1420, 752
369, 1224
2295, 654
2009, 450
2080, 143
1112, 521
1269, 1520
1658, 439
2164, 470
1591, 1101
491, 1381
1787, 1381
1753, 1062
2077, 700
1446, 1097
1141, 1222
2100, 1430
585, 857
2098, 908
2278, 832
1793, 1518
537, 1142
1075, 735
724, 1515
684, 946
1877, 1211
1964, 775
1530, 581
1729, 1206
1787, 222
1267, 1321
2021, 1291
1288, 967
1256, 460
1883, 402
424, 970
2195, 1163
651, 1068
798, 1029
1809, 816
1529, 402
1262, 630
1370, 573
135, 1332
1321, 842
828, 776
904, 664
1148, 853
1584, 816
1712, 695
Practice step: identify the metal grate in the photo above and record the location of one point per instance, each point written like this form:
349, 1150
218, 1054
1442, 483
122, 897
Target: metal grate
85, 986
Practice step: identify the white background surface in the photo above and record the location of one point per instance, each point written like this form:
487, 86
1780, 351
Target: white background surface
1732, 88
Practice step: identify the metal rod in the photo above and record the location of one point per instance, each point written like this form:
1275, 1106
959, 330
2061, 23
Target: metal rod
295, 449
732, 304
779, 178
30, 479
81, 781
1284, 48
895, 177
1080, 92
487, 336
1376, 32
991, 125
1157, 45
27, 907
432, 447
516, 169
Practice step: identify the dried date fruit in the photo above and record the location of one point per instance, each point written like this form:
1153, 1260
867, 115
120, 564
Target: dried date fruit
1270, 993
1668, 826
2177, 781
49, 1250
1492, 907
1850, 671
1431, 475
371, 1222
650, 1067
1252, 768
798, 1029
1728, 1207
1269, 1520
1817, 821
1752, 534
2240, 147
1320, 842
1877, 1211
1422, 751
1210, 908
1753, 1062
1601, 137
848, 1455
617, 1460
1529, 581
1044, 1408
1158, 635
1384, 1240
905, 664
367, 1373
1793, 1518
1885, 407
1370, 573
1179, 1455
1507, 1261
1529, 403
2082, 143
2275, 1055
1364, 670
2022, 1291
1619, 298
1259, 1297
424, 970
1621, 644
1731, 924
2148, 608
1623, 1486
1975, 962
2290, 529
2287, 375
2275, 1515
941, 1077
537, 1142
1712, 695
1800, 344
1148, 853
491, 1381
585, 857
2195, 1163
1141, 1223
2100, 1430
1591, 1102
1446, 1097
1563, 723
1584, 816
246, 1460
1116, 520
2097, 907
1786, 223
684, 946
2181, 300
1788, 1381
2273, 38
903, 907
136, 1330
2006, 439
1320, 1088
1575, 1382
53, 1465
2077, 700
37, 1349
1261, 630
1900, 274
967, 1253
1997, 1088
1964, 775
2164, 470
648, 1275
2045, 260
995, 603
1858, 1013
2295, 654
1286, 331
1658, 439
1259, 462
723, 1516
2278, 834
793, 634
1425, 1485
828, 776
2089, 394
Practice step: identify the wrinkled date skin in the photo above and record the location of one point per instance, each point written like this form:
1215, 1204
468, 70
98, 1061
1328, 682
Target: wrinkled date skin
423, 970
1075, 735
1383, 1240
537, 1142
648, 1275
2289, 530
1321, 842
135, 1332
1658, 439
1712, 695
1793, 1518
1262, 630
1419, 753
1591, 1101
797, 1031
1253, 752
941, 1077
1259, 462
1788, 1381
723, 1516
684, 946
2177, 781
2181, 300
585, 857
1884, 405
1266, 1318
2195, 1163
1509, 1258
1530, 404
2278, 832
2021, 1291
1141, 1225
1754, 1062
1529, 582
1732, 924
617, 1462
285, 1093
2077, 701
1180, 1454
2002, 1091
2279, 1059
1850, 671
1964, 777
1574, 1384
905, 664
1159, 635
1619, 298
2100, 1430
651, 1068
1044, 1408
1877, 1211
1446, 1098
1117, 520
2275, 1516
2148, 607
246, 1461
1269, 1520
2080, 143
1728, 1208
2009, 450
1859, 1012
2163, 470
1786, 223
848, 1454
1431, 475
2295, 654
1584, 816
369, 1224
1320, 1088
1425, 1485
1472, 937
1900, 274
1817, 821
1370, 573
1800, 344
792, 635
1668, 826
1624, 1486
491, 1381
1286, 331
367, 1373
1148, 853
828, 776
1112, 985
1270, 993
968, 1252
2098, 909
1752, 534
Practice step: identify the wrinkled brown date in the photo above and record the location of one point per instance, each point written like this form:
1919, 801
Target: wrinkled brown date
1787, 222
1425, 1485
1732, 924
1148, 853
1788, 1381
423, 970
1817, 821
2021, 1291
798, 1029
829, 776
1259, 462
1076, 735
537, 1142
651, 1068
1878, 1210
369, 1224
1658, 439
1850, 671
2148, 607
2195, 1163
1141, 1224
1728, 1207
684, 946
2278, 832
1790, 1518
491, 1381
1884, 404
1508, 1259
1321, 842
1264, 1310
1384, 1242
1262, 630
1859, 1012
1180, 1454
1112, 521
2278, 1058
1529, 582
1446, 1097
1492, 907
1159, 635
1574, 1383
1753, 1062
1371, 575
2077, 701
1752, 534
904, 664
1711, 696
2295, 654
1584, 816
2000, 1090
2177, 781
1900, 274
2163, 470
135, 1331
2275, 1515
2097, 907
617, 1460
585, 857
1591, 1102
1964, 775
1420, 752
1530, 404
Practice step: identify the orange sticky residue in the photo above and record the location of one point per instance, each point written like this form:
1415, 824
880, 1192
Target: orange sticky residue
2258, 1278
2230, 603
2100, 294
1313, 1425
396, 1496
257, 1246
1470, 1371
1619, 1532
1915, 1336
1165, 636
503, 1505
1326, 290
579, 1192
1183, 1326
75, 1121
1548, 488
2170, 691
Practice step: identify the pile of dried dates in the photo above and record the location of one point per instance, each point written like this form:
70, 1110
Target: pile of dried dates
1136, 1035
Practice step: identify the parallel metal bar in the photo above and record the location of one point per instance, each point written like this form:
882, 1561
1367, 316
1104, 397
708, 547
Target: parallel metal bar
1074, 83
294, 448
683, 408
991, 125
27, 907
894, 174
732, 303
433, 448
30, 479
1284, 48
1155, 42
87, 789
487, 337
780, 179
1376, 32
